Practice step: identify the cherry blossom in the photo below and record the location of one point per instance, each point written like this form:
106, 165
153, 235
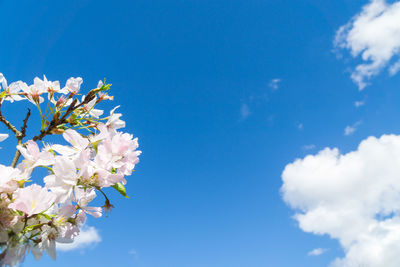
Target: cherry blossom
94, 157
32, 199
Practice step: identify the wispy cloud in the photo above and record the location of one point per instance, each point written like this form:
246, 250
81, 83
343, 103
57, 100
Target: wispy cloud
350, 129
317, 252
274, 84
375, 35
244, 111
358, 104
308, 147
88, 237
133, 253
300, 126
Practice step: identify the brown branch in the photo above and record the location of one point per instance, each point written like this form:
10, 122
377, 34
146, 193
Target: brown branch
56, 121
25, 123
9, 125
21, 136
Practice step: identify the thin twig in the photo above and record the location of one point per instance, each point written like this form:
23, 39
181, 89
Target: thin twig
20, 137
25, 125
55, 121
9, 125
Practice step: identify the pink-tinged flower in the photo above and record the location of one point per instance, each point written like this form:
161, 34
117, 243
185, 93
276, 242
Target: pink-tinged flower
7, 217
49, 86
105, 96
104, 133
118, 152
106, 179
80, 218
88, 109
67, 233
78, 143
32, 199
83, 198
61, 101
34, 92
100, 84
13, 90
73, 85
3, 81
47, 242
9, 179
63, 214
34, 157
114, 122
66, 230
13, 256
75, 139
61, 231
63, 180
3, 137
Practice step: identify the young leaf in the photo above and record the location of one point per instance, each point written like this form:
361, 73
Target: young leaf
121, 189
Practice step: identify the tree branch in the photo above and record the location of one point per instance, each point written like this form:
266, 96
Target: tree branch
21, 136
9, 125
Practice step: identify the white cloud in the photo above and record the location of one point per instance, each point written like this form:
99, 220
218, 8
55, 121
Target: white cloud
300, 126
373, 34
274, 84
350, 129
353, 197
244, 111
358, 104
317, 252
87, 237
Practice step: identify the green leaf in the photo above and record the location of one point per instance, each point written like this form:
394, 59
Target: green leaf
104, 87
95, 145
48, 217
121, 189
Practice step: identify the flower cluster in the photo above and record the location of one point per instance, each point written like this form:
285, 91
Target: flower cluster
95, 156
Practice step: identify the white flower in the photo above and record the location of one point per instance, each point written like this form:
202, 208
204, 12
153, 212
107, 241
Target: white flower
9, 179
32, 199
13, 90
83, 198
114, 122
88, 109
34, 157
63, 180
73, 85
47, 242
34, 92
78, 143
3, 81
3, 137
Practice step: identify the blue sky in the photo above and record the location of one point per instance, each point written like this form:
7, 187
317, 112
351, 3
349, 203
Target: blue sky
193, 81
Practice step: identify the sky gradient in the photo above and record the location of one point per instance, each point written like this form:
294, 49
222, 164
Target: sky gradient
222, 96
